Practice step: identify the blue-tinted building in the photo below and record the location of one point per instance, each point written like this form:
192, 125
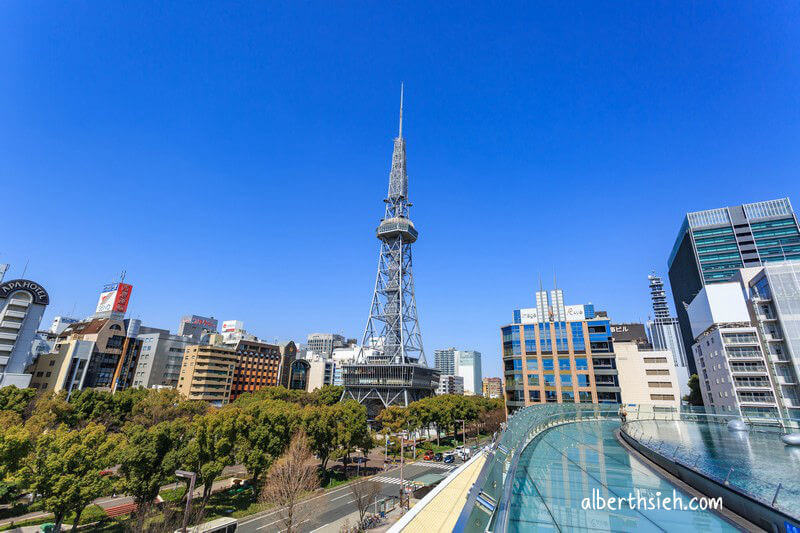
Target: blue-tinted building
712, 245
556, 353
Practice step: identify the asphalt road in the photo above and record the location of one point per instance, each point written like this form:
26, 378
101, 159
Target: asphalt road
336, 504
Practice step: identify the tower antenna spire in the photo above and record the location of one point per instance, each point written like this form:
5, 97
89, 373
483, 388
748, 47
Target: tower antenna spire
400, 133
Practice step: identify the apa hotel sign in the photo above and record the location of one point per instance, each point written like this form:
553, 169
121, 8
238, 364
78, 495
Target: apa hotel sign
36, 291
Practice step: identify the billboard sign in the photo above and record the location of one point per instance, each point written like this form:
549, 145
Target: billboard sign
528, 316
628, 332
229, 326
114, 298
575, 313
205, 323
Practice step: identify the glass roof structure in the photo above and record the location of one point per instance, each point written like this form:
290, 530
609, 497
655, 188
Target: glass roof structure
566, 464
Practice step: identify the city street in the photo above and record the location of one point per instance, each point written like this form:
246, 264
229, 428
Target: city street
328, 508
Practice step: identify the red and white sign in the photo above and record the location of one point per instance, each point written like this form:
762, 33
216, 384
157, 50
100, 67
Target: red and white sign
230, 326
114, 298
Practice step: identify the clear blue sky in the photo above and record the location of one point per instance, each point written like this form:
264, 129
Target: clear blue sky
232, 156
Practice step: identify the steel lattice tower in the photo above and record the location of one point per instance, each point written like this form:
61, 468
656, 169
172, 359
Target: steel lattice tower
395, 373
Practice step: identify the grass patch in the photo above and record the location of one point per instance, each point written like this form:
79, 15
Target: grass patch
92, 513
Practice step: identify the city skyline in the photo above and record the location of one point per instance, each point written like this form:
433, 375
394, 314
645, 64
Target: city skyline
164, 193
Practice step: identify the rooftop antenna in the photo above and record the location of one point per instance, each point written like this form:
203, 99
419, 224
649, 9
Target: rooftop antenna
122, 276
400, 134
555, 281
25, 269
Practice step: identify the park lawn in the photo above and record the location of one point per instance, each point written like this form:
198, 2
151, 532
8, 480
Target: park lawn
92, 513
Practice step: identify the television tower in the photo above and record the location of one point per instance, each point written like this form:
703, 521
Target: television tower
390, 368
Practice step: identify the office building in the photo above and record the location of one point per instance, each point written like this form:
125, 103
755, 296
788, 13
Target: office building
288, 352
646, 376
559, 354
746, 341
463, 363
450, 384
324, 343
258, 365
161, 357
468, 367
106, 358
713, 245
196, 326
311, 373
64, 368
664, 332
492, 388
22, 304
207, 373
445, 361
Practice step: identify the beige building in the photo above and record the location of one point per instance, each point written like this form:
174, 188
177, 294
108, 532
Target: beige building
646, 376
207, 374
64, 368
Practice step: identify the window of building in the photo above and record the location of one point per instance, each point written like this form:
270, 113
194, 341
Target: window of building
567, 396
547, 364
551, 396
534, 396
563, 363
566, 379
581, 364
583, 380
532, 363
533, 380
549, 380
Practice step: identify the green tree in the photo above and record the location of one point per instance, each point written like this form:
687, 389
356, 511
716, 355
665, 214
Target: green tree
65, 465
327, 395
352, 429
14, 399
15, 445
211, 447
49, 412
163, 405
148, 461
319, 423
264, 431
695, 397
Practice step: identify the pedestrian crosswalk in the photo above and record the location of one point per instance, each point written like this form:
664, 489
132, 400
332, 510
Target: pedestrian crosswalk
387, 479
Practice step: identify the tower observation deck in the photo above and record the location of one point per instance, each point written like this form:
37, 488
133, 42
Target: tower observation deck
395, 371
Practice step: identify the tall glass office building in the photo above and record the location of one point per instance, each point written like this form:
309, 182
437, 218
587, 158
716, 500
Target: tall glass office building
712, 245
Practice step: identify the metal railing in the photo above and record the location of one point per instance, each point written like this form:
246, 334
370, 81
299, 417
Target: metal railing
766, 491
490, 496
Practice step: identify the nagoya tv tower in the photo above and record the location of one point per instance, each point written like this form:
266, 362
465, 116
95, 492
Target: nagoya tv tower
391, 368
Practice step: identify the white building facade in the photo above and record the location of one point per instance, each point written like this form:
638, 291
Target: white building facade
746, 337
22, 304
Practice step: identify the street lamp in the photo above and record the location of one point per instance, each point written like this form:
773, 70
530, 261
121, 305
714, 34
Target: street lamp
191, 476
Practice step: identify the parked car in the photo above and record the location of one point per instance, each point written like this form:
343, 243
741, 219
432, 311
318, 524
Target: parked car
428, 456
438, 457
450, 458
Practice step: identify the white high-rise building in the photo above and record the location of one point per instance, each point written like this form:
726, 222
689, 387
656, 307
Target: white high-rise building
747, 341
468, 366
